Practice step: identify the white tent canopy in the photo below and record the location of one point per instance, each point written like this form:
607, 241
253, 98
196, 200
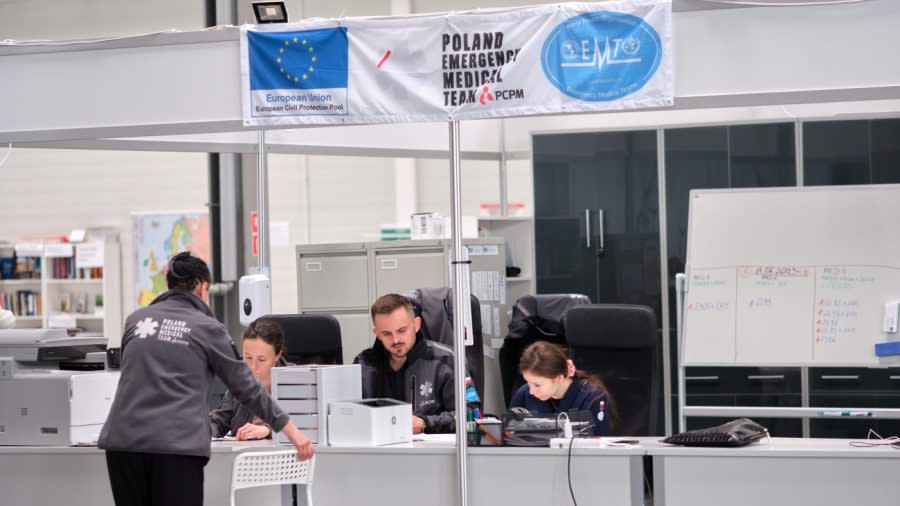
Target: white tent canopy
180, 85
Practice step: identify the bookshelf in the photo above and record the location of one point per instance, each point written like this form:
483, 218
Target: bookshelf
518, 234
71, 285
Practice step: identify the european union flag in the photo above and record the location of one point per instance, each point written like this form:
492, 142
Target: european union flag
306, 60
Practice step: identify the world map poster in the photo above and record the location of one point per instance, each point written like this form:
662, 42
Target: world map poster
158, 237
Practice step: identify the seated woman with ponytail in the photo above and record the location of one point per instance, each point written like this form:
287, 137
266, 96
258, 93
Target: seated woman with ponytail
554, 386
263, 345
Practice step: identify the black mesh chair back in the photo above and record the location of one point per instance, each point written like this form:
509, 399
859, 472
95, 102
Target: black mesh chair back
534, 318
435, 307
310, 338
620, 344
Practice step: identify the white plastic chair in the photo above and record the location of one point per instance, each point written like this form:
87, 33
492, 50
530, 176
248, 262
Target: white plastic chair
263, 469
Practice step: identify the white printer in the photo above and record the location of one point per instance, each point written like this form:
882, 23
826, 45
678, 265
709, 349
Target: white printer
42, 405
369, 422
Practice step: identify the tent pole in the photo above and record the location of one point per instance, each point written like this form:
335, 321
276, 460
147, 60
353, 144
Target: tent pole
460, 292
262, 202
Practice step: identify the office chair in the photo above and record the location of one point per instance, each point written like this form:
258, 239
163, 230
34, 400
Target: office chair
435, 307
310, 338
620, 344
263, 469
534, 318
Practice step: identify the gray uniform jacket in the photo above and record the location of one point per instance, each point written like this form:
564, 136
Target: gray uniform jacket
171, 351
232, 415
427, 382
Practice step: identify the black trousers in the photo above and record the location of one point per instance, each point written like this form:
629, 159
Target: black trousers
155, 479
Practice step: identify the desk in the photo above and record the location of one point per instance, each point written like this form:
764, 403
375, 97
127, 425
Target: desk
425, 473
74, 476
789, 471
410, 474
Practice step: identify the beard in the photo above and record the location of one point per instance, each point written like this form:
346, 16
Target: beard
398, 352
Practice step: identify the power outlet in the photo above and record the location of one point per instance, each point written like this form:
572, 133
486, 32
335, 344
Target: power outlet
891, 313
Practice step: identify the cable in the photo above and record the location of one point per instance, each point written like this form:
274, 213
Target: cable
648, 489
567, 432
893, 441
8, 151
569, 472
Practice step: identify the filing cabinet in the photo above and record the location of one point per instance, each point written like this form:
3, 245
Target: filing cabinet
746, 386
344, 279
854, 387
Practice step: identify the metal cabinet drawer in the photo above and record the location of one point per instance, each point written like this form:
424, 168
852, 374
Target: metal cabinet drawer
333, 281
402, 271
305, 422
299, 406
743, 380
843, 379
297, 391
293, 376
312, 434
709, 380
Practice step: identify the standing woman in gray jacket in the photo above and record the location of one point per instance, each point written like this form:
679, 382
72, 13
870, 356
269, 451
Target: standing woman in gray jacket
157, 435
263, 346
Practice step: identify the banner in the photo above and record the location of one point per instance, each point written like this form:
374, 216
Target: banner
549, 59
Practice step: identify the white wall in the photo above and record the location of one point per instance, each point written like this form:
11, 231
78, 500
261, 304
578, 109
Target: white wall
324, 199
480, 183
79, 19
47, 193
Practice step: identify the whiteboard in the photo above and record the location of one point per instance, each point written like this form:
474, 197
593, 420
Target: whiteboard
791, 276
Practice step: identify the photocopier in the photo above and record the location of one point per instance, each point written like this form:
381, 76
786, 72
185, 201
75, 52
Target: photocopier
41, 404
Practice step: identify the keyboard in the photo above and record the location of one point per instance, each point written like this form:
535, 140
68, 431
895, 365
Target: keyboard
738, 432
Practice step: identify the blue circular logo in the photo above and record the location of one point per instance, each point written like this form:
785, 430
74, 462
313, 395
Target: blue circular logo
601, 56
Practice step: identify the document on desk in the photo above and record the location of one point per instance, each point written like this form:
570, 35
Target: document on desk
435, 438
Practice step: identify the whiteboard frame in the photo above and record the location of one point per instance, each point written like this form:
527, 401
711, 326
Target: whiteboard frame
805, 412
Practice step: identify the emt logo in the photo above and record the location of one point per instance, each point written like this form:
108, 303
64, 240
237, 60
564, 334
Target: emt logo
145, 328
601, 56
425, 389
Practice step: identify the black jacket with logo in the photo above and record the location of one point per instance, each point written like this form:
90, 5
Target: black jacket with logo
426, 381
171, 351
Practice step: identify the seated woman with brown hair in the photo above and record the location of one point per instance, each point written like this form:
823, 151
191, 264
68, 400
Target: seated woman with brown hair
263, 346
552, 385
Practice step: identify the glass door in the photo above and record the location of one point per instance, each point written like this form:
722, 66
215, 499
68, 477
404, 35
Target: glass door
597, 216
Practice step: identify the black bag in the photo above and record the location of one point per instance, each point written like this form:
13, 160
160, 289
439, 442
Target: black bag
740, 432
526, 428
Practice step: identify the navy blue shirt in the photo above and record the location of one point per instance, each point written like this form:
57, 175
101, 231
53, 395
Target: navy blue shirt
581, 394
